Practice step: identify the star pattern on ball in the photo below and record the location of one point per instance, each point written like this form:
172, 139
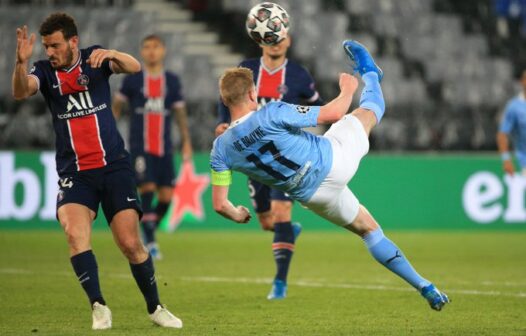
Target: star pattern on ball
261, 28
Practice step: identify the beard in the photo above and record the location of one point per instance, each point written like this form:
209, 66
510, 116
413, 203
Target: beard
68, 60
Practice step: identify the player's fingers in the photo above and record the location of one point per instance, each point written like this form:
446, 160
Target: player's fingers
19, 33
24, 32
93, 58
100, 58
32, 39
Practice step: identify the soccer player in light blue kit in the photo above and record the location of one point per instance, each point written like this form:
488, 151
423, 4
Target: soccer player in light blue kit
513, 127
270, 146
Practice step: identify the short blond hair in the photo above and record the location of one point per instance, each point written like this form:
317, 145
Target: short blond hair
234, 84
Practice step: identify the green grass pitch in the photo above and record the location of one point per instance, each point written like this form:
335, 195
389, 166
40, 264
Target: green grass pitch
217, 282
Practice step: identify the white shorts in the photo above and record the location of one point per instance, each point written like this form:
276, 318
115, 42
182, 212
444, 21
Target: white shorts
334, 200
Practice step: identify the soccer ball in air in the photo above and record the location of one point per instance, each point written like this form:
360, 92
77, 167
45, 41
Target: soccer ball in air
267, 24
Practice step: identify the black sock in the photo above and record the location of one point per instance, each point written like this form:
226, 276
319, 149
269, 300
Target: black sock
160, 210
85, 267
149, 218
144, 275
283, 248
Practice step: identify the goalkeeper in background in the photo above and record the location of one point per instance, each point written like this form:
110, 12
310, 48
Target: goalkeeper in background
513, 129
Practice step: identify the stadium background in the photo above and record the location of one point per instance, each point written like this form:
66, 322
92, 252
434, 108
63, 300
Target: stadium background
450, 68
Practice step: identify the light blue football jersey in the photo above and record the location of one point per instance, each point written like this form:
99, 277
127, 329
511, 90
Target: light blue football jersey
270, 146
514, 124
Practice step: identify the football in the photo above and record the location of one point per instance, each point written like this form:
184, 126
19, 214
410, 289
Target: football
267, 23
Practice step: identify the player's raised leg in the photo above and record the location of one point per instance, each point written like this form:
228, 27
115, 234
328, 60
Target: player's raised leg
124, 226
389, 255
76, 221
371, 99
380, 247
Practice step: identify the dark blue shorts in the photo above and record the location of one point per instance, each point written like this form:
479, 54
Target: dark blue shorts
154, 169
262, 195
112, 186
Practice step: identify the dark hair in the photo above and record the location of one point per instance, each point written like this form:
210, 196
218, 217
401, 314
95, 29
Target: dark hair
152, 37
59, 22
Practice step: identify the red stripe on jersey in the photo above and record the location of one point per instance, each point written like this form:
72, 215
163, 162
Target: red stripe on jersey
154, 87
86, 142
68, 81
153, 133
154, 120
269, 83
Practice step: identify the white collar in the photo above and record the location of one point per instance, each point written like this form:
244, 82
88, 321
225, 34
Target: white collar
273, 71
240, 120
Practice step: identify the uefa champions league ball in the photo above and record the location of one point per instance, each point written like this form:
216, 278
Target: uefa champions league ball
267, 24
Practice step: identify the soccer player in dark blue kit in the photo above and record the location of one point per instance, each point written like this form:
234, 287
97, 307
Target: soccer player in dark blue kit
277, 79
93, 166
152, 95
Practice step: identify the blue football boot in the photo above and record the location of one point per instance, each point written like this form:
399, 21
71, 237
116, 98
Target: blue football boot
436, 298
362, 61
278, 291
296, 227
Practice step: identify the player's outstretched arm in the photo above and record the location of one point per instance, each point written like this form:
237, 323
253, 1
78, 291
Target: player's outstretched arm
225, 208
339, 106
503, 144
120, 62
23, 85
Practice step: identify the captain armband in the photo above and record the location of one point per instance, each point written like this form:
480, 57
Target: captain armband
223, 178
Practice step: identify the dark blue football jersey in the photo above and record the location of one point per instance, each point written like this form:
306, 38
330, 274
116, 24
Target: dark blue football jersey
80, 103
290, 83
151, 100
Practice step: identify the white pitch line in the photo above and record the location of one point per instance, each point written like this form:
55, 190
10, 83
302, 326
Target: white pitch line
266, 281
304, 283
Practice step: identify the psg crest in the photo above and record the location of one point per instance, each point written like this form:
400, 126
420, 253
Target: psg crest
83, 80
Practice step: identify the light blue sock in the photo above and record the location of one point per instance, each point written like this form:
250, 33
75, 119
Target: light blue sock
372, 97
389, 255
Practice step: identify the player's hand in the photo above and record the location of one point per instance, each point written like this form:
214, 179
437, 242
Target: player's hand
348, 83
98, 56
186, 151
508, 167
220, 129
24, 45
244, 214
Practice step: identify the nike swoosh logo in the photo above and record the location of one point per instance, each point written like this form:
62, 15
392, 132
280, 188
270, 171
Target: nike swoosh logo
56, 86
130, 199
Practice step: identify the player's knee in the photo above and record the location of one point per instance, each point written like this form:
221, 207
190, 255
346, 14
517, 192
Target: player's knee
165, 195
266, 220
132, 248
364, 222
147, 187
78, 239
282, 211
